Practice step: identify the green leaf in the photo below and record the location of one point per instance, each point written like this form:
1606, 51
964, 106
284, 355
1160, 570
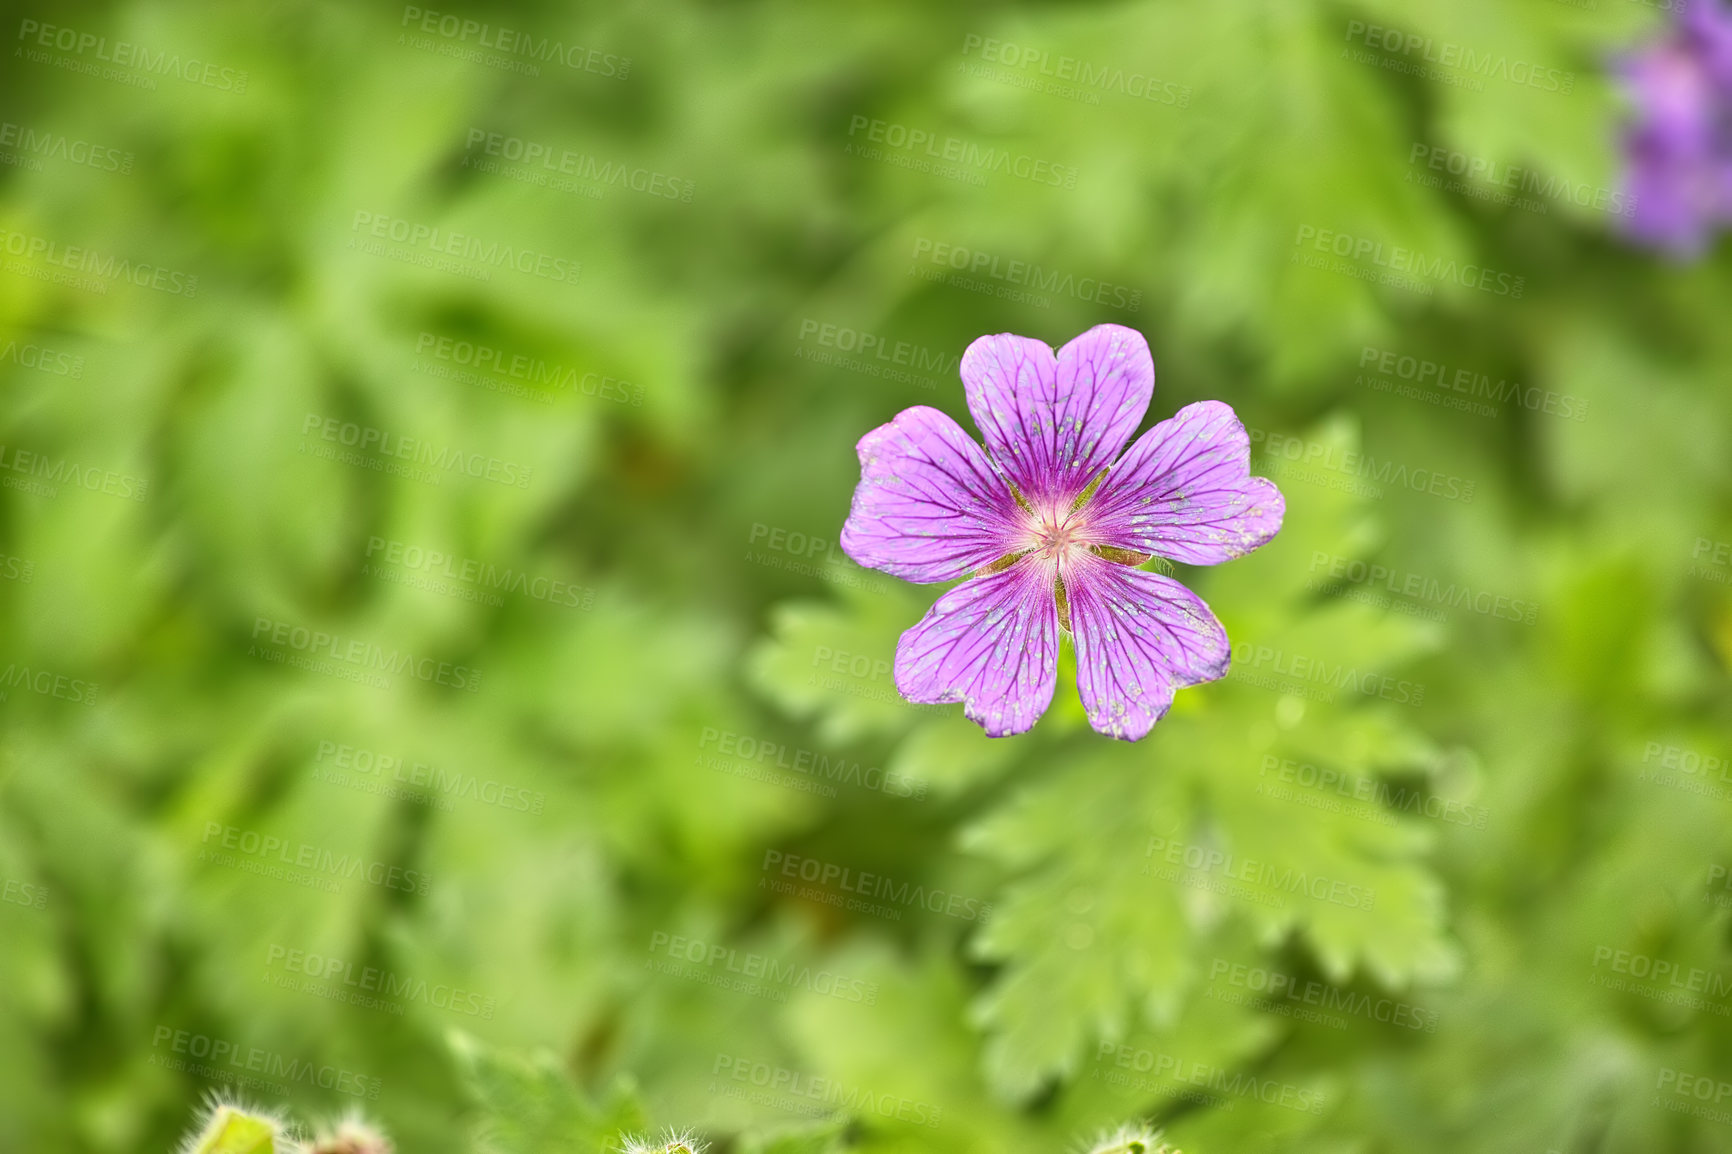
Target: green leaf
835, 664
530, 1106
819, 1138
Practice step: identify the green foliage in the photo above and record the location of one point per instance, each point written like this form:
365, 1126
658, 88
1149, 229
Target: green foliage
529, 1104
600, 766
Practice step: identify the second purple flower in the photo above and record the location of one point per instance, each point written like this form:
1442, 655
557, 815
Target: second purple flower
1051, 525
1679, 151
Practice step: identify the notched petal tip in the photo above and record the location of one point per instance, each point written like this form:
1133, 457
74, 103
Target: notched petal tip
1120, 340
1012, 343
1053, 422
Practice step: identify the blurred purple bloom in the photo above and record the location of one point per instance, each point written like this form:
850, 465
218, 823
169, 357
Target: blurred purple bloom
1052, 529
1679, 151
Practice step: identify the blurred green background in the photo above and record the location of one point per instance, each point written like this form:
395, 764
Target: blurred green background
431, 684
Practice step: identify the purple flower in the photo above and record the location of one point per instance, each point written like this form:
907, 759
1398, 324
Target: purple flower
1052, 530
1679, 151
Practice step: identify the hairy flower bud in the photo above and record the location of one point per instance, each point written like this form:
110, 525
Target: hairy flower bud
229, 1128
672, 1142
1134, 1139
352, 1136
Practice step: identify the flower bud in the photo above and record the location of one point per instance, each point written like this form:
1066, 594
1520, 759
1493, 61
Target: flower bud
672, 1142
1134, 1139
232, 1129
352, 1136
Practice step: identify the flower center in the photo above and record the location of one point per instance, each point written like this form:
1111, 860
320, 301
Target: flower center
1058, 534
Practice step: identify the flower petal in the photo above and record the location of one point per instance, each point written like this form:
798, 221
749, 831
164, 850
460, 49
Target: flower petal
929, 506
990, 643
1185, 491
1053, 423
1139, 637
